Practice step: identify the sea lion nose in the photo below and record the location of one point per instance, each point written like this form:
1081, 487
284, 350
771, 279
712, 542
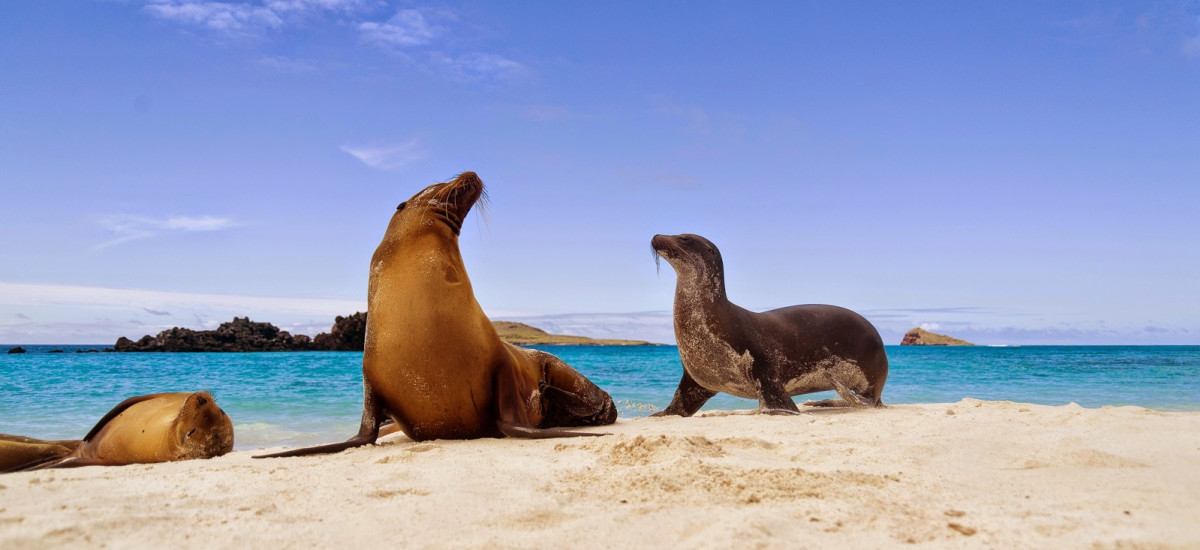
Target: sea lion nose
468, 179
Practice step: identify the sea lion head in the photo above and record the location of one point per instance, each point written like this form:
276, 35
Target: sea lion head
689, 254
440, 207
202, 429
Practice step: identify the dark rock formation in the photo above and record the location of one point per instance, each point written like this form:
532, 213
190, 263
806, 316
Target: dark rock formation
921, 337
241, 334
17, 349
347, 334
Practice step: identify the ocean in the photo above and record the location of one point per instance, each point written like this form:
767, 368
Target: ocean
302, 398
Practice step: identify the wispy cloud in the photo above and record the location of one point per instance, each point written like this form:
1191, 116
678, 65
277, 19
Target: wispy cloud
245, 18
287, 65
132, 228
425, 37
409, 27
476, 66
155, 311
387, 157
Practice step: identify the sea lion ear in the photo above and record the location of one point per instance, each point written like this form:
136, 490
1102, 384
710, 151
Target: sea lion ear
196, 401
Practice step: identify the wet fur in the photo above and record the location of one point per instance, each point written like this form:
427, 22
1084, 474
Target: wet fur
769, 356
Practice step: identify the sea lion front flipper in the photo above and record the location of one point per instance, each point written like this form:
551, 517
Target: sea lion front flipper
772, 399
528, 432
68, 462
689, 397
368, 430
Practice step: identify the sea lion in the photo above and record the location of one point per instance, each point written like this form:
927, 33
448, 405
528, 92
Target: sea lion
160, 427
769, 356
18, 451
433, 361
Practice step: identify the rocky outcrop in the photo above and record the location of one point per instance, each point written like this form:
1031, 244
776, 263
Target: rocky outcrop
347, 334
17, 349
241, 334
921, 337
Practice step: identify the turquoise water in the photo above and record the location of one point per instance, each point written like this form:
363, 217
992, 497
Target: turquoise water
309, 397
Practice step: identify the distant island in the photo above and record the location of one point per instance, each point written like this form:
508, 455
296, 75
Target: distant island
921, 337
347, 334
524, 335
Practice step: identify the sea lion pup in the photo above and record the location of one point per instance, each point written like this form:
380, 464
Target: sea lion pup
160, 427
433, 362
767, 356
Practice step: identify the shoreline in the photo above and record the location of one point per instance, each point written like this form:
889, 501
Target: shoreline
970, 474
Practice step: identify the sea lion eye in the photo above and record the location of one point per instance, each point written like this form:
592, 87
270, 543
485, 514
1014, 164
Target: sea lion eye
189, 434
401, 207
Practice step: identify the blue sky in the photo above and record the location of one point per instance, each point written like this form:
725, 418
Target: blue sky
1009, 173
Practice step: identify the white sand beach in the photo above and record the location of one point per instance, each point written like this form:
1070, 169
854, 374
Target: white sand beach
971, 474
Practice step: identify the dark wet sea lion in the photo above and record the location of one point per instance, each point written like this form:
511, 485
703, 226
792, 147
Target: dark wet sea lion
160, 427
433, 362
769, 356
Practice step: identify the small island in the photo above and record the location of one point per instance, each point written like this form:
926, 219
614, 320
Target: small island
347, 334
921, 337
524, 335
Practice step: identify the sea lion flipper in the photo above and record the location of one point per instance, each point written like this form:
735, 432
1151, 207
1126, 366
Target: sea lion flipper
368, 430
852, 399
689, 397
518, 415
528, 432
120, 408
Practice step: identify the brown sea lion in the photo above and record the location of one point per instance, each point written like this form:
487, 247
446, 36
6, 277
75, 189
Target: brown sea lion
769, 356
433, 362
18, 451
151, 428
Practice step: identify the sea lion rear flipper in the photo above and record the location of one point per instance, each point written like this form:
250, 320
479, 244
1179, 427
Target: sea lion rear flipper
368, 430
516, 412
852, 399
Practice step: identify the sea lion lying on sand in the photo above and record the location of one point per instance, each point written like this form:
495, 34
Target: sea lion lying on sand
769, 356
433, 361
160, 427
16, 451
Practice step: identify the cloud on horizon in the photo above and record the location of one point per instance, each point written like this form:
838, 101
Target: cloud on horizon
131, 228
87, 315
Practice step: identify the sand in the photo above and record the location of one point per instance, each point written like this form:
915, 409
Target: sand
971, 474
